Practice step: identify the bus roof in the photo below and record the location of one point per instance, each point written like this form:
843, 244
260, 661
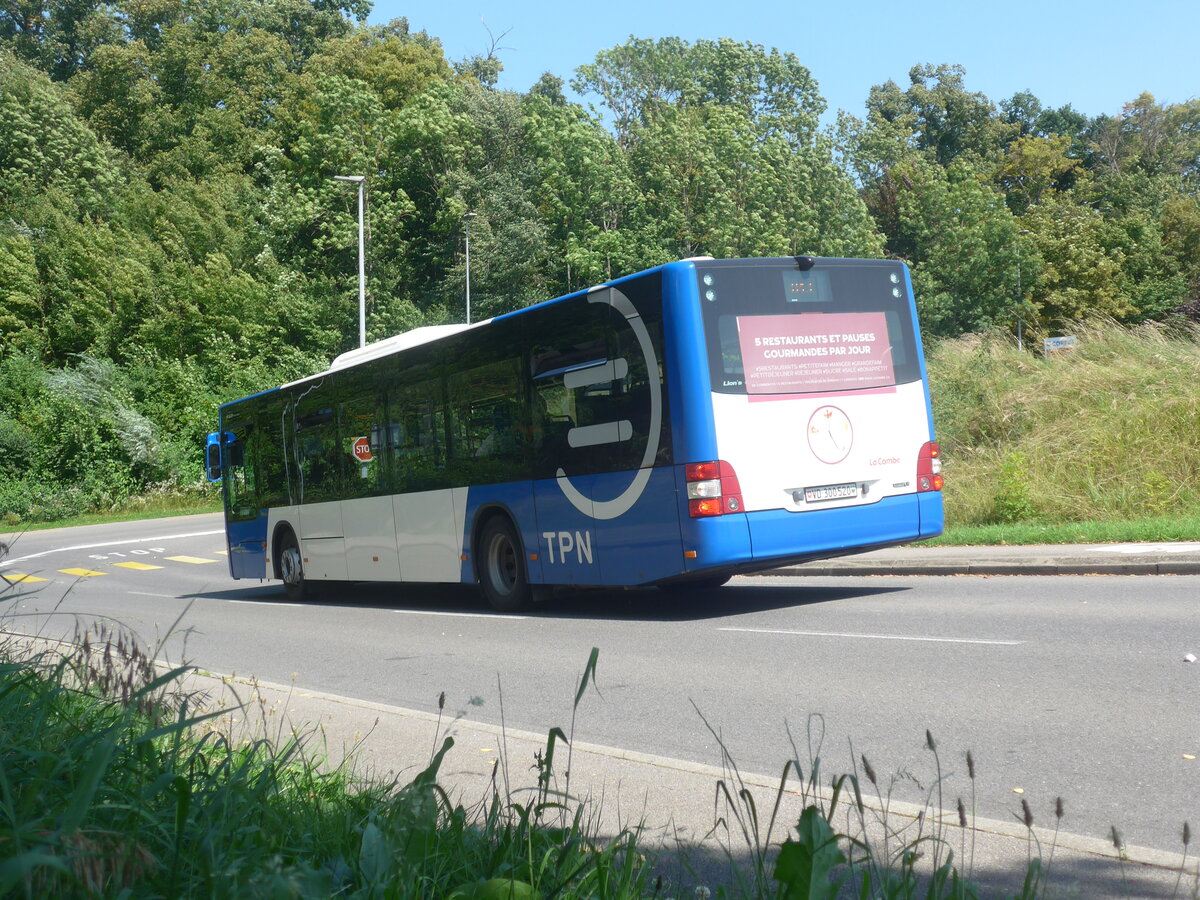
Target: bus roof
424, 335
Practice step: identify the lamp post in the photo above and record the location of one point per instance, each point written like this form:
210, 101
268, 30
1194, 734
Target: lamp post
361, 181
1020, 298
467, 217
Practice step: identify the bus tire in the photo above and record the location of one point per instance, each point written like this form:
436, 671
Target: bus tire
291, 569
501, 566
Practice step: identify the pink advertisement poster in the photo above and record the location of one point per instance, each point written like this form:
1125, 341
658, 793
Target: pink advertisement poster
815, 352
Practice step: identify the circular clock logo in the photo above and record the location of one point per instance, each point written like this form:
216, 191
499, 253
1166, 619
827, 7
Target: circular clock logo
830, 434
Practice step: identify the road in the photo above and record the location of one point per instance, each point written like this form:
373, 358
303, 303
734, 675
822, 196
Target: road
1065, 686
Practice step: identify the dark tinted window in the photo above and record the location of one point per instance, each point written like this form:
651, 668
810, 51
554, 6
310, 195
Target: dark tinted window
269, 455
322, 462
362, 434
489, 430
595, 386
414, 432
772, 328
239, 443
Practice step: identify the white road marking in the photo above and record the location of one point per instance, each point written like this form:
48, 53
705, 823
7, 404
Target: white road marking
460, 615
266, 603
160, 596
876, 637
147, 540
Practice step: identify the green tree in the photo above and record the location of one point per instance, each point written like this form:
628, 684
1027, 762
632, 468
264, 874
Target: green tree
1033, 165
584, 191
59, 37
120, 97
396, 63
961, 240
22, 318
723, 144
1081, 271
640, 76
44, 144
942, 116
1148, 137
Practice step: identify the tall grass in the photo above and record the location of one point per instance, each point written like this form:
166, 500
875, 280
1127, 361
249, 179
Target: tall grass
1108, 431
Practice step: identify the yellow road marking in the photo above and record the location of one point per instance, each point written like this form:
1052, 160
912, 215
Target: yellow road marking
81, 573
140, 567
195, 560
18, 576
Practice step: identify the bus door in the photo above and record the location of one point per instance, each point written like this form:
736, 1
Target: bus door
246, 528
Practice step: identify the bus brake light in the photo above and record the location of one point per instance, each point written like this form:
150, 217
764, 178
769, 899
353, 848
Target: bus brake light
713, 489
929, 468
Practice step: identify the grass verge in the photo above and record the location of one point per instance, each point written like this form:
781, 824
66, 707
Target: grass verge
135, 509
1153, 530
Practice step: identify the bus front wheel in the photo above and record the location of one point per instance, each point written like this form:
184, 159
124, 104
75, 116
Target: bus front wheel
502, 576
291, 569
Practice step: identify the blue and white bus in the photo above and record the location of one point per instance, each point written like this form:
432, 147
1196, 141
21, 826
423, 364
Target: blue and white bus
675, 427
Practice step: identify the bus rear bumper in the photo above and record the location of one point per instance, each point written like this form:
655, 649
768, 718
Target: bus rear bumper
769, 538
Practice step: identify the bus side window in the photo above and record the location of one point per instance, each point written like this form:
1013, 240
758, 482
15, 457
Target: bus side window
418, 463
554, 417
362, 441
571, 339
319, 455
269, 455
488, 427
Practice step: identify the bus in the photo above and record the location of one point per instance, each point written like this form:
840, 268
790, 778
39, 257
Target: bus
672, 428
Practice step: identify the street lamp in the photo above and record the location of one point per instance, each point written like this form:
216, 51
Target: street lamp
467, 217
361, 181
1020, 297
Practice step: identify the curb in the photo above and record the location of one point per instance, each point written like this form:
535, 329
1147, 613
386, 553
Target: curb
1083, 844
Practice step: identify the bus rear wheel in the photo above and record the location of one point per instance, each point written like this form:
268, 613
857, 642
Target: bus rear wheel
501, 566
291, 570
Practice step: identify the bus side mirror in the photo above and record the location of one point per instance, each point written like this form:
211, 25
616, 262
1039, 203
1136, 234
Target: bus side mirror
212, 457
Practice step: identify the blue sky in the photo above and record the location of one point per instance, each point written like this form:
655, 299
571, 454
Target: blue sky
1095, 55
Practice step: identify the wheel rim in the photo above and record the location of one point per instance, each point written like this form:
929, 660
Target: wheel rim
290, 566
502, 564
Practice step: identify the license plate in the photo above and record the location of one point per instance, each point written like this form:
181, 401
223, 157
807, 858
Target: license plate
830, 492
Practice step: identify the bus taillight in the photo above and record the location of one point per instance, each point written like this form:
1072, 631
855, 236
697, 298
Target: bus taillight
713, 489
929, 468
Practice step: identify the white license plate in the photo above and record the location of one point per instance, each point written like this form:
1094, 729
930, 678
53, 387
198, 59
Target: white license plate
830, 492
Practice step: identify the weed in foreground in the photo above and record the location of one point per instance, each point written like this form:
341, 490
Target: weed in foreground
846, 845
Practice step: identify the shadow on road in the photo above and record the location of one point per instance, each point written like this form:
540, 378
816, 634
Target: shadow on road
636, 605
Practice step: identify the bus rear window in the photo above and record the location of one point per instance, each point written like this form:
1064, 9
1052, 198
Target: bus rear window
773, 328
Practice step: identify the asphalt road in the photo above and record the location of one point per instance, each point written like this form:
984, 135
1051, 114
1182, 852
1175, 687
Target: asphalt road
1059, 686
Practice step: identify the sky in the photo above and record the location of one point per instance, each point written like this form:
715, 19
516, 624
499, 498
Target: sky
1096, 55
